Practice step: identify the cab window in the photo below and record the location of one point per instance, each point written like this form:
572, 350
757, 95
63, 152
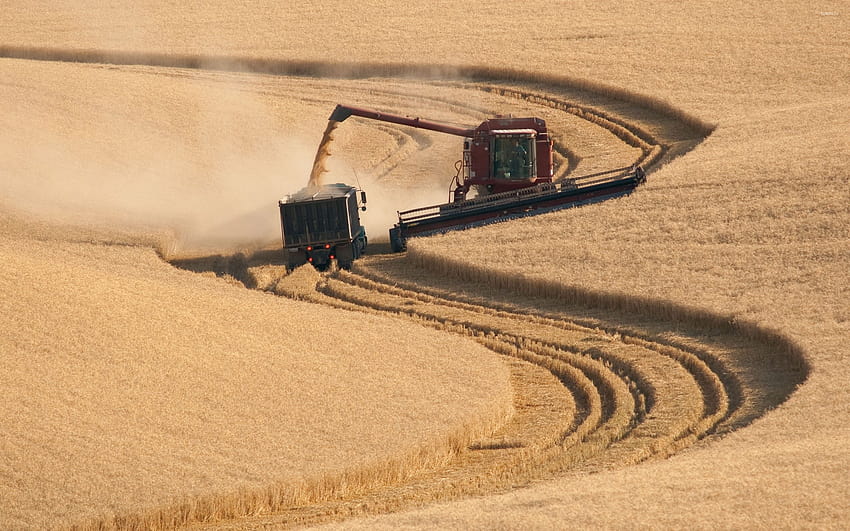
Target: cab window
512, 157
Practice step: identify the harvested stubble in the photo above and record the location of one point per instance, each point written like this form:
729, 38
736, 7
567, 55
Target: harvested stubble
636, 398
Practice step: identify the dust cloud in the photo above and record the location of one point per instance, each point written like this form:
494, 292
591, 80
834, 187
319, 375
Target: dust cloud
386, 193
228, 202
386, 197
129, 151
386, 200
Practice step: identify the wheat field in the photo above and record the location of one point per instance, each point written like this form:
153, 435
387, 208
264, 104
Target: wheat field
137, 394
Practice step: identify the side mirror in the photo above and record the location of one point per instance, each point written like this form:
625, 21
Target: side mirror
363, 200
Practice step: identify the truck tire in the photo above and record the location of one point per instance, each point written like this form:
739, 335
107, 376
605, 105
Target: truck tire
295, 259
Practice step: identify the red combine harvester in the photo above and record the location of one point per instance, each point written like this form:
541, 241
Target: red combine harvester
508, 162
500, 155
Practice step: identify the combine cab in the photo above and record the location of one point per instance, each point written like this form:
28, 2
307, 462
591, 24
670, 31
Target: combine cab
323, 224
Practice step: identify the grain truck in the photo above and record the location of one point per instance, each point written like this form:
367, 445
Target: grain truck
322, 224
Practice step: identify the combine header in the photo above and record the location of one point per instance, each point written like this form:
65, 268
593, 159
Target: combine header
527, 201
509, 163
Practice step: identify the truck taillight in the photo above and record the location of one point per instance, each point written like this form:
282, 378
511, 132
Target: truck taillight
327, 246
332, 257
310, 259
309, 247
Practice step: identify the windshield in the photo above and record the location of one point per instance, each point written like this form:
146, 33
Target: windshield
512, 157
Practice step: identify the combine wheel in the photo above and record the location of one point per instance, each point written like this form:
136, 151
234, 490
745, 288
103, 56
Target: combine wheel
396, 242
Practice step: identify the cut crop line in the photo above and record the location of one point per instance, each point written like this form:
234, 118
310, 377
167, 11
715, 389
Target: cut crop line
720, 385
624, 369
615, 406
780, 349
713, 389
363, 70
